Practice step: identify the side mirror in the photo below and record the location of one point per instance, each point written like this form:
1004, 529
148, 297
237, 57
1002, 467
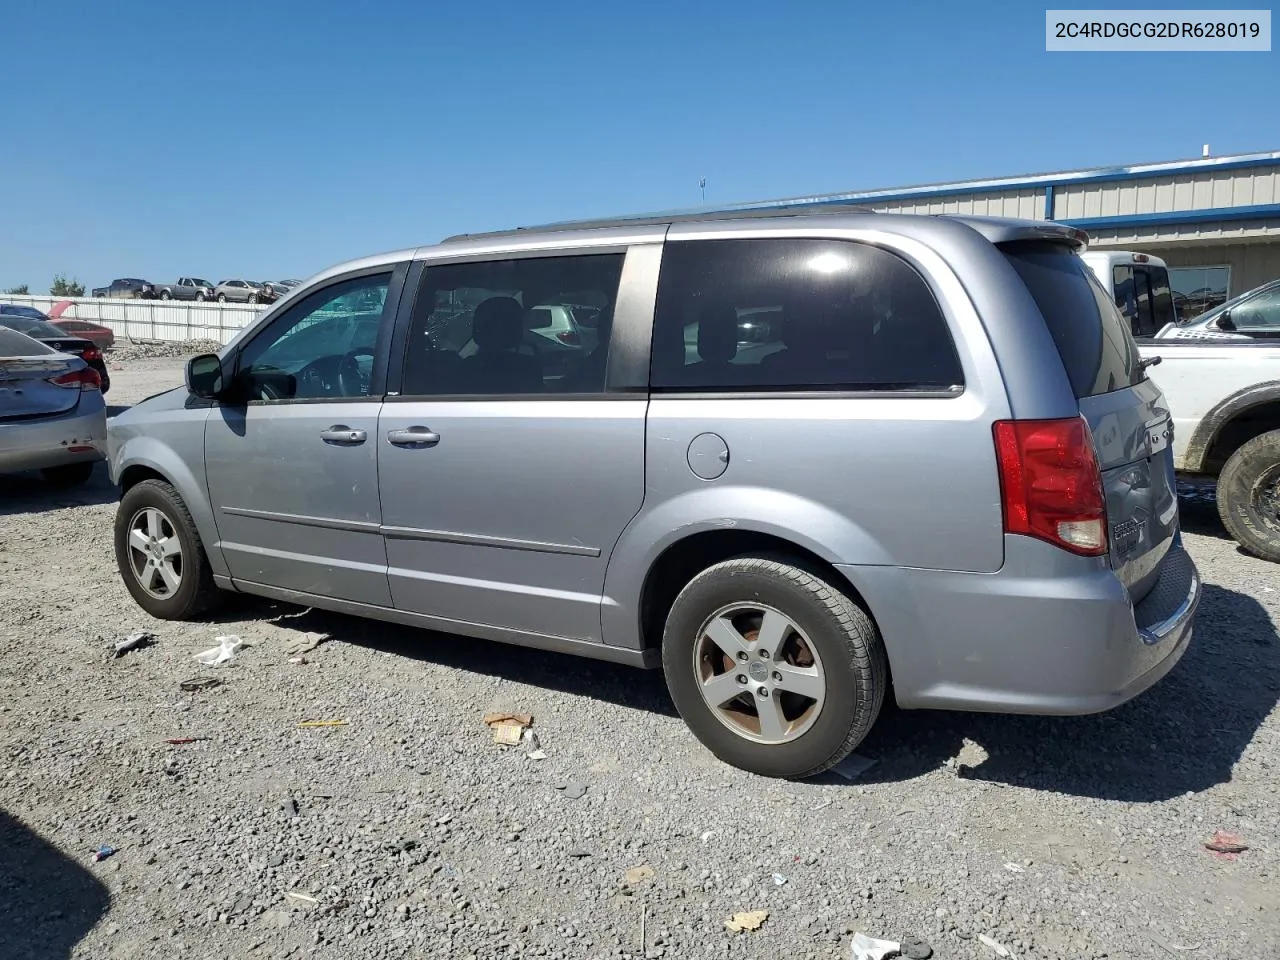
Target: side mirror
204, 376
1225, 322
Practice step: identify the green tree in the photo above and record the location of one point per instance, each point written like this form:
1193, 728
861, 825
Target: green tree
62, 287
21, 290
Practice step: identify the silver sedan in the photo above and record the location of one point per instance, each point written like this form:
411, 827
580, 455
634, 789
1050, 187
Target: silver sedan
52, 415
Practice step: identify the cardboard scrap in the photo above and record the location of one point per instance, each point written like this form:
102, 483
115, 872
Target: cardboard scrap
749, 920
508, 728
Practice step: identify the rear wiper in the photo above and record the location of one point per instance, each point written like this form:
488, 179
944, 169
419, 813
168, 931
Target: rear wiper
1149, 362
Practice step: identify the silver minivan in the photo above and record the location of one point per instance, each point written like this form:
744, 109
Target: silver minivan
938, 470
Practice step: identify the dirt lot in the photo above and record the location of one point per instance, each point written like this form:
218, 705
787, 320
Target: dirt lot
407, 833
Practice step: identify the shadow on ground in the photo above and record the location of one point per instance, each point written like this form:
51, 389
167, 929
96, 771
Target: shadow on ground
610, 682
1184, 734
48, 902
30, 493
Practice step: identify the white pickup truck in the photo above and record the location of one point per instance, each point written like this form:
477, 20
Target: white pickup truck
1224, 398
1223, 393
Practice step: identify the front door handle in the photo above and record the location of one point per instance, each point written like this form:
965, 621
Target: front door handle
416, 437
344, 436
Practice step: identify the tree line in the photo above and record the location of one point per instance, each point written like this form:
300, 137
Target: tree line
61, 287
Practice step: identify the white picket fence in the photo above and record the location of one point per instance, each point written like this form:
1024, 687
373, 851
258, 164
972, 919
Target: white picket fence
153, 319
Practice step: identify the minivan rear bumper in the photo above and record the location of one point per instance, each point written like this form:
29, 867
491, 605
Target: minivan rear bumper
1050, 633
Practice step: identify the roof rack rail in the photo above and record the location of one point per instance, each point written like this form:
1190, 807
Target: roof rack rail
750, 213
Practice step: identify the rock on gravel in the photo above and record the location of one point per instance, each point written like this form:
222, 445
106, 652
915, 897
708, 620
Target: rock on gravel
408, 833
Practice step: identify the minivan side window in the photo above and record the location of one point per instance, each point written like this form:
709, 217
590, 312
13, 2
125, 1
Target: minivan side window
797, 314
322, 348
1259, 313
524, 326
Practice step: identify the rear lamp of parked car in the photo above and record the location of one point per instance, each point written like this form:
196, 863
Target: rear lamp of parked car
1051, 485
91, 353
86, 379
569, 337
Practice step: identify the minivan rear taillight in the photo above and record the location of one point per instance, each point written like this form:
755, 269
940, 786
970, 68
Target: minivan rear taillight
1050, 483
86, 379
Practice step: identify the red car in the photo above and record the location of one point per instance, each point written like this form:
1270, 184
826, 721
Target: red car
102, 336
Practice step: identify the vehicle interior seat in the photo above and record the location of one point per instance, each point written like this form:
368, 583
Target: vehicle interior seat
497, 366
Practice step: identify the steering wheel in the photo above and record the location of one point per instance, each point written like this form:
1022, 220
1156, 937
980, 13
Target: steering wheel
350, 381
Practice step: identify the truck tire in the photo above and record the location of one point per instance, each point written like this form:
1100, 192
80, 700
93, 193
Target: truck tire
1249, 496
166, 295
767, 634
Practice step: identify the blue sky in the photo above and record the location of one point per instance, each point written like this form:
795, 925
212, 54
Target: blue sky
271, 139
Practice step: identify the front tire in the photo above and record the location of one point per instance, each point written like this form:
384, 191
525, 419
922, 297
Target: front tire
200, 297
773, 667
253, 298
166, 295
1249, 496
159, 553
69, 475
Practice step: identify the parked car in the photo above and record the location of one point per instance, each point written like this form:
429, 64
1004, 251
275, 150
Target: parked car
53, 336
127, 289
185, 288
1254, 315
278, 288
949, 461
103, 337
243, 291
52, 415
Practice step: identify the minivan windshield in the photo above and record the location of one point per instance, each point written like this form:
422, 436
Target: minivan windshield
1094, 340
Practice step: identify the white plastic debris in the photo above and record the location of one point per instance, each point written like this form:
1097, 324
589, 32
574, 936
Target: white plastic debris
779, 880
532, 749
869, 948
224, 651
1000, 949
853, 766
1015, 868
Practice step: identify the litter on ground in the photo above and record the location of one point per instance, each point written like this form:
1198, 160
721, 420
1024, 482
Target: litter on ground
135, 641
748, 920
871, 948
226, 649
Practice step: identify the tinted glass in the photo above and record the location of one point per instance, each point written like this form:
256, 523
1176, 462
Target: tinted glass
17, 310
323, 347
797, 314
1145, 326
1161, 298
1126, 296
32, 328
1258, 313
501, 327
1093, 339
13, 345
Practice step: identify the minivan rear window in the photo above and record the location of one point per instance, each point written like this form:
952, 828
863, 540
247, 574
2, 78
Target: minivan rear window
1094, 340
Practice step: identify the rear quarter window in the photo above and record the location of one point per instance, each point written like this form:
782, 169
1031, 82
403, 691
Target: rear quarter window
800, 314
1093, 339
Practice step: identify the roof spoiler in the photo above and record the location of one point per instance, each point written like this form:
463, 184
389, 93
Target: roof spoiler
999, 230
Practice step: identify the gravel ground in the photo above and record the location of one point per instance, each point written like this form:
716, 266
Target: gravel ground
407, 833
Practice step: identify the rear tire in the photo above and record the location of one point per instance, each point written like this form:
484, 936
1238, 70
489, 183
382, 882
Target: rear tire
829, 647
166, 295
68, 475
1249, 496
222, 298
194, 591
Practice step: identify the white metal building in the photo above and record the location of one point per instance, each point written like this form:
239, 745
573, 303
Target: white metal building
1215, 221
